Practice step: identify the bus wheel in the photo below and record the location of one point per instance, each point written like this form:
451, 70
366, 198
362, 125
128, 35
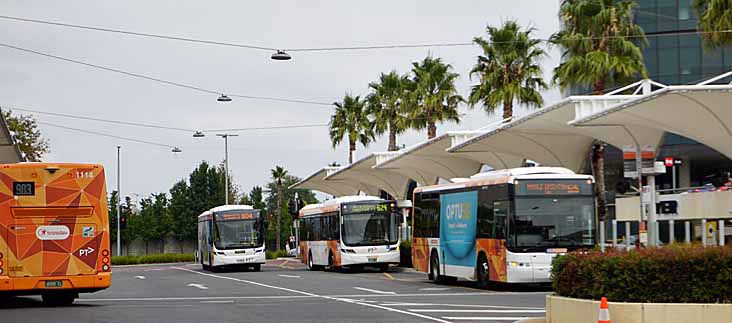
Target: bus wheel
331, 262
434, 268
257, 267
311, 267
482, 272
59, 299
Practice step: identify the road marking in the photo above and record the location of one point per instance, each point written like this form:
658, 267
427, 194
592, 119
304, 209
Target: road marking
462, 305
388, 276
140, 277
217, 302
374, 291
475, 311
316, 295
167, 299
486, 318
434, 288
199, 286
289, 276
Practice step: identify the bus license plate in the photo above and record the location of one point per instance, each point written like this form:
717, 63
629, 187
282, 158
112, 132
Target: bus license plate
244, 260
373, 259
54, 283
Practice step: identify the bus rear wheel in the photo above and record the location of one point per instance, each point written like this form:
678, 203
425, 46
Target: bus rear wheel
311, 266
59, 299
434, 268
257, 267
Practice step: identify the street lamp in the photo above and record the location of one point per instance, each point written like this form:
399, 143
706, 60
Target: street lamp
226, 163
119, 206
176, 150
281, 55
198, 134
223, 98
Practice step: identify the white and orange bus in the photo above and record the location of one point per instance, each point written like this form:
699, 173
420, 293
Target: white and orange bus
502, 226
54, 231
349, 231
231, 236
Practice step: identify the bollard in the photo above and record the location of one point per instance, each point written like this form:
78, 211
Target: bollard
627, 235
671, 233
687, 231
720, 228
704, 232
615, 233
602, 235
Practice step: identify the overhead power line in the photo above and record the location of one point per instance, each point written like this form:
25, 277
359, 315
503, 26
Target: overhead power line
333, 48
154, 79
106, 135
163, 127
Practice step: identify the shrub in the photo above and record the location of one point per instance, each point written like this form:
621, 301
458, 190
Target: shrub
655, 275
276, 254
152, 259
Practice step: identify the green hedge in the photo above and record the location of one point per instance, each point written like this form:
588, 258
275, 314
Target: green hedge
152, 259
655, 275
276, 254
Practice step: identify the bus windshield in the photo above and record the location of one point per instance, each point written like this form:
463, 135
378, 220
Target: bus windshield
237, 234
561, 221
368, 229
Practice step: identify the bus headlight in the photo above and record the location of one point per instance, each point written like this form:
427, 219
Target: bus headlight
519, 264
394, 248
348, 250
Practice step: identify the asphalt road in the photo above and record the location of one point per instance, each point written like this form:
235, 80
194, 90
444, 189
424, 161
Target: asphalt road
282, 292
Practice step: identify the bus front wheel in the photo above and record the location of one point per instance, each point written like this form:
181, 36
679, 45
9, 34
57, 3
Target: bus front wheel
257, 267
59, 299
311, 267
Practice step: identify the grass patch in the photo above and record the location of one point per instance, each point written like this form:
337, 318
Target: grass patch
152, 259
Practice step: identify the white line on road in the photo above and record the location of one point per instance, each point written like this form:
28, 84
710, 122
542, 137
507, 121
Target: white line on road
316, 295
487, 318
289, 276
475, 311
434, 288
374, 291
199, 286
461, 305
217, 302
140, 277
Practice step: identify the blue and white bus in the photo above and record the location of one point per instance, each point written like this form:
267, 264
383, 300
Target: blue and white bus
231, 236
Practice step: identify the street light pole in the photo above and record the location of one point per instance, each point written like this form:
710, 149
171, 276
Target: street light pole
226, 164
119, 206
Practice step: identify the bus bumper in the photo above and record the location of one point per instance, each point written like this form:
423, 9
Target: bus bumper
223, 260
391, 257
37, 285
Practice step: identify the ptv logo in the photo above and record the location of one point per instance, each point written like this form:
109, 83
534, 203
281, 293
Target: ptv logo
86, 252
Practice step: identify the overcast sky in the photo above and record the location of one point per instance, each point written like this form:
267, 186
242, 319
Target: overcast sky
45, 84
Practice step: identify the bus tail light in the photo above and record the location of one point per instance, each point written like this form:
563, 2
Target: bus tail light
105, 260
105, 253
105, 267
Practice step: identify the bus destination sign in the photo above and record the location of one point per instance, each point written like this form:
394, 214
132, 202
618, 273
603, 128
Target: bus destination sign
368, 208
554, 187
235, 216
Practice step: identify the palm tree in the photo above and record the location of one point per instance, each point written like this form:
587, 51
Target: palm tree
600, 46
350, 121
715, 19
278, 175
508, 70
432, 95
385, 106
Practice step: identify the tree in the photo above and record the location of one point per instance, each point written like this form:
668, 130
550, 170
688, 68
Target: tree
184, 219
432, 95
112, 211
350, 121
256, 197
278, 174
385, 106
600, 46
27, 135
284, 194
154, 219
508, 70
715, 20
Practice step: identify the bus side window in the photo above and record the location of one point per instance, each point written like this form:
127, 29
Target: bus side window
486, 222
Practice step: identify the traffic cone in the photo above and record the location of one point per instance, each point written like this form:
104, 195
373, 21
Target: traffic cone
604, 312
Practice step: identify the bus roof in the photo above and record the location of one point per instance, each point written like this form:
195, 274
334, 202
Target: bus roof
502, 176
334, 204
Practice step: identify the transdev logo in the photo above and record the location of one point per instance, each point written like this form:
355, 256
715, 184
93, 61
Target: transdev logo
53, 232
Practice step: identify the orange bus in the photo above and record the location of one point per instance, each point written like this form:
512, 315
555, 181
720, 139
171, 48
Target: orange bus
54, 231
